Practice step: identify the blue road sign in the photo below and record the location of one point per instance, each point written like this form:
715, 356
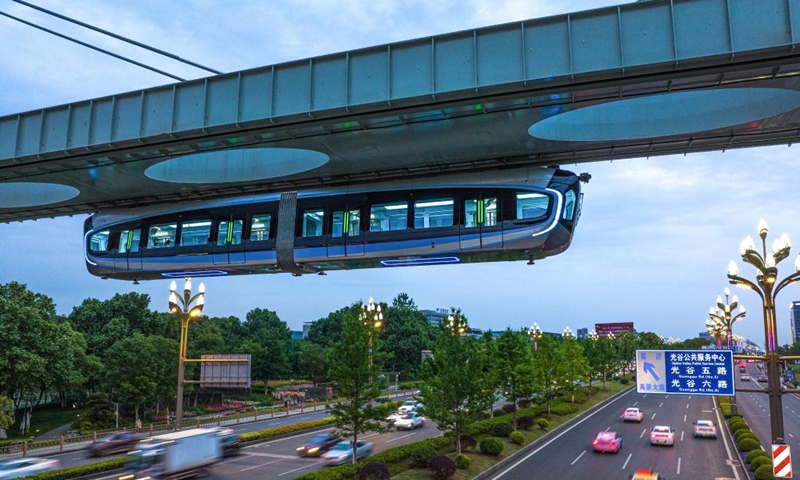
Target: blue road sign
688, 372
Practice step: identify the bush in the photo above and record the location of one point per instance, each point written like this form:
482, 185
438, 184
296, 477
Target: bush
624, 381
525, 403
748, 444
517, 437
509, 408
737, 423
764, 472
374, 471
492, 446
562, 409
498, 412
422, 455
468, 441
746, 435
757, 453
525, 422
758, 461
82, 470
738, 427
462, 461
501, 429
442, 467
543, 423
284, 429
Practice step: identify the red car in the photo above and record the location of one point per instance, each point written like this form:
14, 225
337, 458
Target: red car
606, 441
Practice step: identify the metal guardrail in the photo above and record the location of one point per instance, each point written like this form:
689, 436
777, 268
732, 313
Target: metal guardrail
74, 442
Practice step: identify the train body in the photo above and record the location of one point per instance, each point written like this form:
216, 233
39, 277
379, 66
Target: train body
503, 215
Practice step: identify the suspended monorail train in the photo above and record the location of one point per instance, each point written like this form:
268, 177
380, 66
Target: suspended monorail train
502, 215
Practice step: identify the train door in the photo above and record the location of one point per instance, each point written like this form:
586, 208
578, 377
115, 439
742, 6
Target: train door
129, 250
480, 227
228, 247
346, 238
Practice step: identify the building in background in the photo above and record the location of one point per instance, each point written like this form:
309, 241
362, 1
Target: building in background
436, 316
794, 321
582, 333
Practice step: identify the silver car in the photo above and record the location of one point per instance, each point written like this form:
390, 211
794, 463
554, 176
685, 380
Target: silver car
342, 452
22, 467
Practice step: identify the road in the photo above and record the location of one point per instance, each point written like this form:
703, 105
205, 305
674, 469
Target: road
755, 409
569, 454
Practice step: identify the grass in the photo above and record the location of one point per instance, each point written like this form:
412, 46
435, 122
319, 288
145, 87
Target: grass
45, 420
481, 462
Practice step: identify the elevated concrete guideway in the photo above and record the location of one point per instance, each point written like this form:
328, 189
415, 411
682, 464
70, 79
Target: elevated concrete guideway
640, 79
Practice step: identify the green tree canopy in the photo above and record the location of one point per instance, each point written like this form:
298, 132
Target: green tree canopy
327, 331
405, 334
513, 367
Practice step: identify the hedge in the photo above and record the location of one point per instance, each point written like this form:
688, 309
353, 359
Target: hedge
422, 455
79, 471
374, 471
758, 461
764, 472
748, 444
757, 453
284, 429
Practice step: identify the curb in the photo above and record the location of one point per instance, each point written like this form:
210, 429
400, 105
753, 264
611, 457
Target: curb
502, 464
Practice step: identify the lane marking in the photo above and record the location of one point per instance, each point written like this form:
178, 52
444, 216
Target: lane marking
687, 406
679, 466
684, 418
654, 416
262, 465
791, 435
626, 461
660, 404
681, 439
296, 469
637, 403
643, 432
274, 455
579, 457
399, 438
526, 457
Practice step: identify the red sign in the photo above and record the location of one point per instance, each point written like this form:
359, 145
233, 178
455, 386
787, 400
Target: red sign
603, 329
781, 461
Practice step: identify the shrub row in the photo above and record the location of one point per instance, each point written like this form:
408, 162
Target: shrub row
79, 471
284, 429
759, 460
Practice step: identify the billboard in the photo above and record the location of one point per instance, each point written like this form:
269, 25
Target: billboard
603, 329
229, 371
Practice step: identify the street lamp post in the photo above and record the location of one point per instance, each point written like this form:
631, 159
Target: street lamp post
536, 333
724, 313
456, 322
184, 307
567, 333
716, 329
767, 287
372, 317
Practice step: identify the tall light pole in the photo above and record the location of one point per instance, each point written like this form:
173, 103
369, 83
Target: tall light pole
184, 307
456, 322
567, 333
767, 286
724, 313
536, 333
716, 329
372, 317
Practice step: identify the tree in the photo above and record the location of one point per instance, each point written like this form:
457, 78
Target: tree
547, 366
6, 413
313, 362
268, 343
456, 387
626, 349
327, 331
513, 367
405, 334
353, 373
574, 364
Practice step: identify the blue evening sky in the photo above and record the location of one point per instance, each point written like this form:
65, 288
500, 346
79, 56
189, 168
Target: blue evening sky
652, 246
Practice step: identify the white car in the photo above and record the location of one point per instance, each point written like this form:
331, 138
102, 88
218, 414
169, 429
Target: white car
632, 414
705, 428
342, 452
22, 467
662, 435
410, 406
409, 420
395, 417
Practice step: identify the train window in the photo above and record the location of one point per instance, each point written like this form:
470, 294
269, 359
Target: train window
433, 213
569, 205
98, 242
531, 205
129, 241
346, 224
312, 223
162, 235
480, 212
230, 232
386, 217
259, 228
195, 232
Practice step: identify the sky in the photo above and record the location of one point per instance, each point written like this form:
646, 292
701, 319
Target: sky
652, 246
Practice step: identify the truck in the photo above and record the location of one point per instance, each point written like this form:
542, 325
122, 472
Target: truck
182, 454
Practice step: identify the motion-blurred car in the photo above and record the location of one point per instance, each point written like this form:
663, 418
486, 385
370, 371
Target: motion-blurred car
662, 435
342, 452
632, 414
410, 406
744, 377
645, 474
22, 467
607, 442
318, 444
395, 417
409, 420
120, 442
705, 429
231, 442
762, 378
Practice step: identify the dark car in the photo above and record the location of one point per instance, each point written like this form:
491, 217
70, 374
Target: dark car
120, 442
318, 444
231, 441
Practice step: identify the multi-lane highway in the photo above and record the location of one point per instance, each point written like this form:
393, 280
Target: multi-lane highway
569, 454
755, 409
